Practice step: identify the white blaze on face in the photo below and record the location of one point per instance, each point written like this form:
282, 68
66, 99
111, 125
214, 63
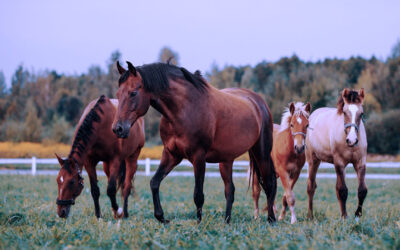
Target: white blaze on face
295, 142
61, 179
352, 136
299, 120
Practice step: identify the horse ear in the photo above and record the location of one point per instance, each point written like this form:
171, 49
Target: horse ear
121, 70
61, 161
345, 94
292, 108
308, 108
362, 95
131, 68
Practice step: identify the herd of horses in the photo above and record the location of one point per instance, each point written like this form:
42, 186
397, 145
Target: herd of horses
204, 124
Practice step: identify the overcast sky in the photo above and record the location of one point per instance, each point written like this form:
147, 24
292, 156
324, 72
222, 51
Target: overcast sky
69, 36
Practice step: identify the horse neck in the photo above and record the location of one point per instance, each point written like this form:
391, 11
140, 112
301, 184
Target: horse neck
176, 100
286, 138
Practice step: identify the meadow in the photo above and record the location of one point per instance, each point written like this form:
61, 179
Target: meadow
28, 218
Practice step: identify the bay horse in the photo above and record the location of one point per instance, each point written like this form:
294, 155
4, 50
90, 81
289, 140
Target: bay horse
337, 135
94, 141
288, 154
199, 123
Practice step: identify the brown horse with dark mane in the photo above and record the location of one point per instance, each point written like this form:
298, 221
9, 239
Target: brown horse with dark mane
94, 141
199, 123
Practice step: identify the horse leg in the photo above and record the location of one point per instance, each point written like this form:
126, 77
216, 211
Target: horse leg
256, 190
341, 189
313, 164
131, 167
264, 166
168, 162
362, 187
94, 188
199, 165
226, 174
112, 187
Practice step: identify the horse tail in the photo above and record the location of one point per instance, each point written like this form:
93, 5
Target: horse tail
121, 175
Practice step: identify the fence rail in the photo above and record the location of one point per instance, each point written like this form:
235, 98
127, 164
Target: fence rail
238, 165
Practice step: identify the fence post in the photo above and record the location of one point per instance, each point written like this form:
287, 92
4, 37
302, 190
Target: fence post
33, 165
147, 167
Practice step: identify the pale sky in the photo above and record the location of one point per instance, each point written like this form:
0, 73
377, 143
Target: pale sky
70, 36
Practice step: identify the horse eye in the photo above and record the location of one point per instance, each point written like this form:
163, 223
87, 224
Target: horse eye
72, 182
133, 93
291, 125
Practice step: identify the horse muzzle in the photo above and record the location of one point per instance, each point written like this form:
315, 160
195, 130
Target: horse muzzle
122, 129
299, 149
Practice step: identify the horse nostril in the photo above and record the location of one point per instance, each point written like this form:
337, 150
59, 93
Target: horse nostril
347, 141
119, 129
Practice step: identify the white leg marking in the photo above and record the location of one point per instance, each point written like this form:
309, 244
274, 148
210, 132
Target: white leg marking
119, 211
293, 219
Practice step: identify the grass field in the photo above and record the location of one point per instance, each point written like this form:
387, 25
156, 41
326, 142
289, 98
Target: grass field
28, 218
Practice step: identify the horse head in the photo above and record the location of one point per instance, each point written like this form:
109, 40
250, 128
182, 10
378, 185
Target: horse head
134, 100
299, 124
350, 105
70, 185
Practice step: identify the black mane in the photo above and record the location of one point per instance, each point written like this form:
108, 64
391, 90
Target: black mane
85, 130
155, 77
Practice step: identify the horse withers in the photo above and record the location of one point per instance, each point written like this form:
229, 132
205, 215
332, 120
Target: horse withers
199, 123
337, 135
288, 154
94, 141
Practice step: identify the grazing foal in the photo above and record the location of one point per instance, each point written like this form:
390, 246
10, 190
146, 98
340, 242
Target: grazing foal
94, 141
337, 135
288, 154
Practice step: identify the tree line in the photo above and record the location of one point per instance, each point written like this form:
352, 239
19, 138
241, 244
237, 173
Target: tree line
46, 107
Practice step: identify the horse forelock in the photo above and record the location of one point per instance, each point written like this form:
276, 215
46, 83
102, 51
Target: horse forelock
353, 97
300, 109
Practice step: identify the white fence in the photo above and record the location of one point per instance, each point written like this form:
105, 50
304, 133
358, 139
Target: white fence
238, 165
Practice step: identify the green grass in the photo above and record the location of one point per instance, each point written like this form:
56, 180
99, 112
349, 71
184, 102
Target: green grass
28, 218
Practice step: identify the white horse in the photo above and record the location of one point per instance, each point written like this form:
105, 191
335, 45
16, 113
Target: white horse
338, 136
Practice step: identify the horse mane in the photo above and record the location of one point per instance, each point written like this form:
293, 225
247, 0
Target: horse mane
85, 130
155, 77
352, 98
300, 109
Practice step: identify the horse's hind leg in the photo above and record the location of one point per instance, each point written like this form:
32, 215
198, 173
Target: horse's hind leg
313, 164
264, 166
131, 167
226, 174
168, 162
94, 188
362, 187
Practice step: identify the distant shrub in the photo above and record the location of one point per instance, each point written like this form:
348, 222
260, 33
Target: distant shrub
383, 132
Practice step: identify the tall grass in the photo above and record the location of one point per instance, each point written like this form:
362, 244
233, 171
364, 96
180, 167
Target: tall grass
28, 218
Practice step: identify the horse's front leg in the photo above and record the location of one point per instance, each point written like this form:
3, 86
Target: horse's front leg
362, 187
226, 174
199, 165
131, 167
94, 188
168, 162
341, 189
114, 167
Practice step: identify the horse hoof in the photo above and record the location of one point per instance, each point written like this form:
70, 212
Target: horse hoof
118, 214
271, 219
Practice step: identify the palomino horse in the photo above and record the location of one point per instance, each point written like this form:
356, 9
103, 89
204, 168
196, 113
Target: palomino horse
94, 141
199, 123
338, 136
288, 154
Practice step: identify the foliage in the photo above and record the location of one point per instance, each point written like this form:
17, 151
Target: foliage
28, 218
58, 100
